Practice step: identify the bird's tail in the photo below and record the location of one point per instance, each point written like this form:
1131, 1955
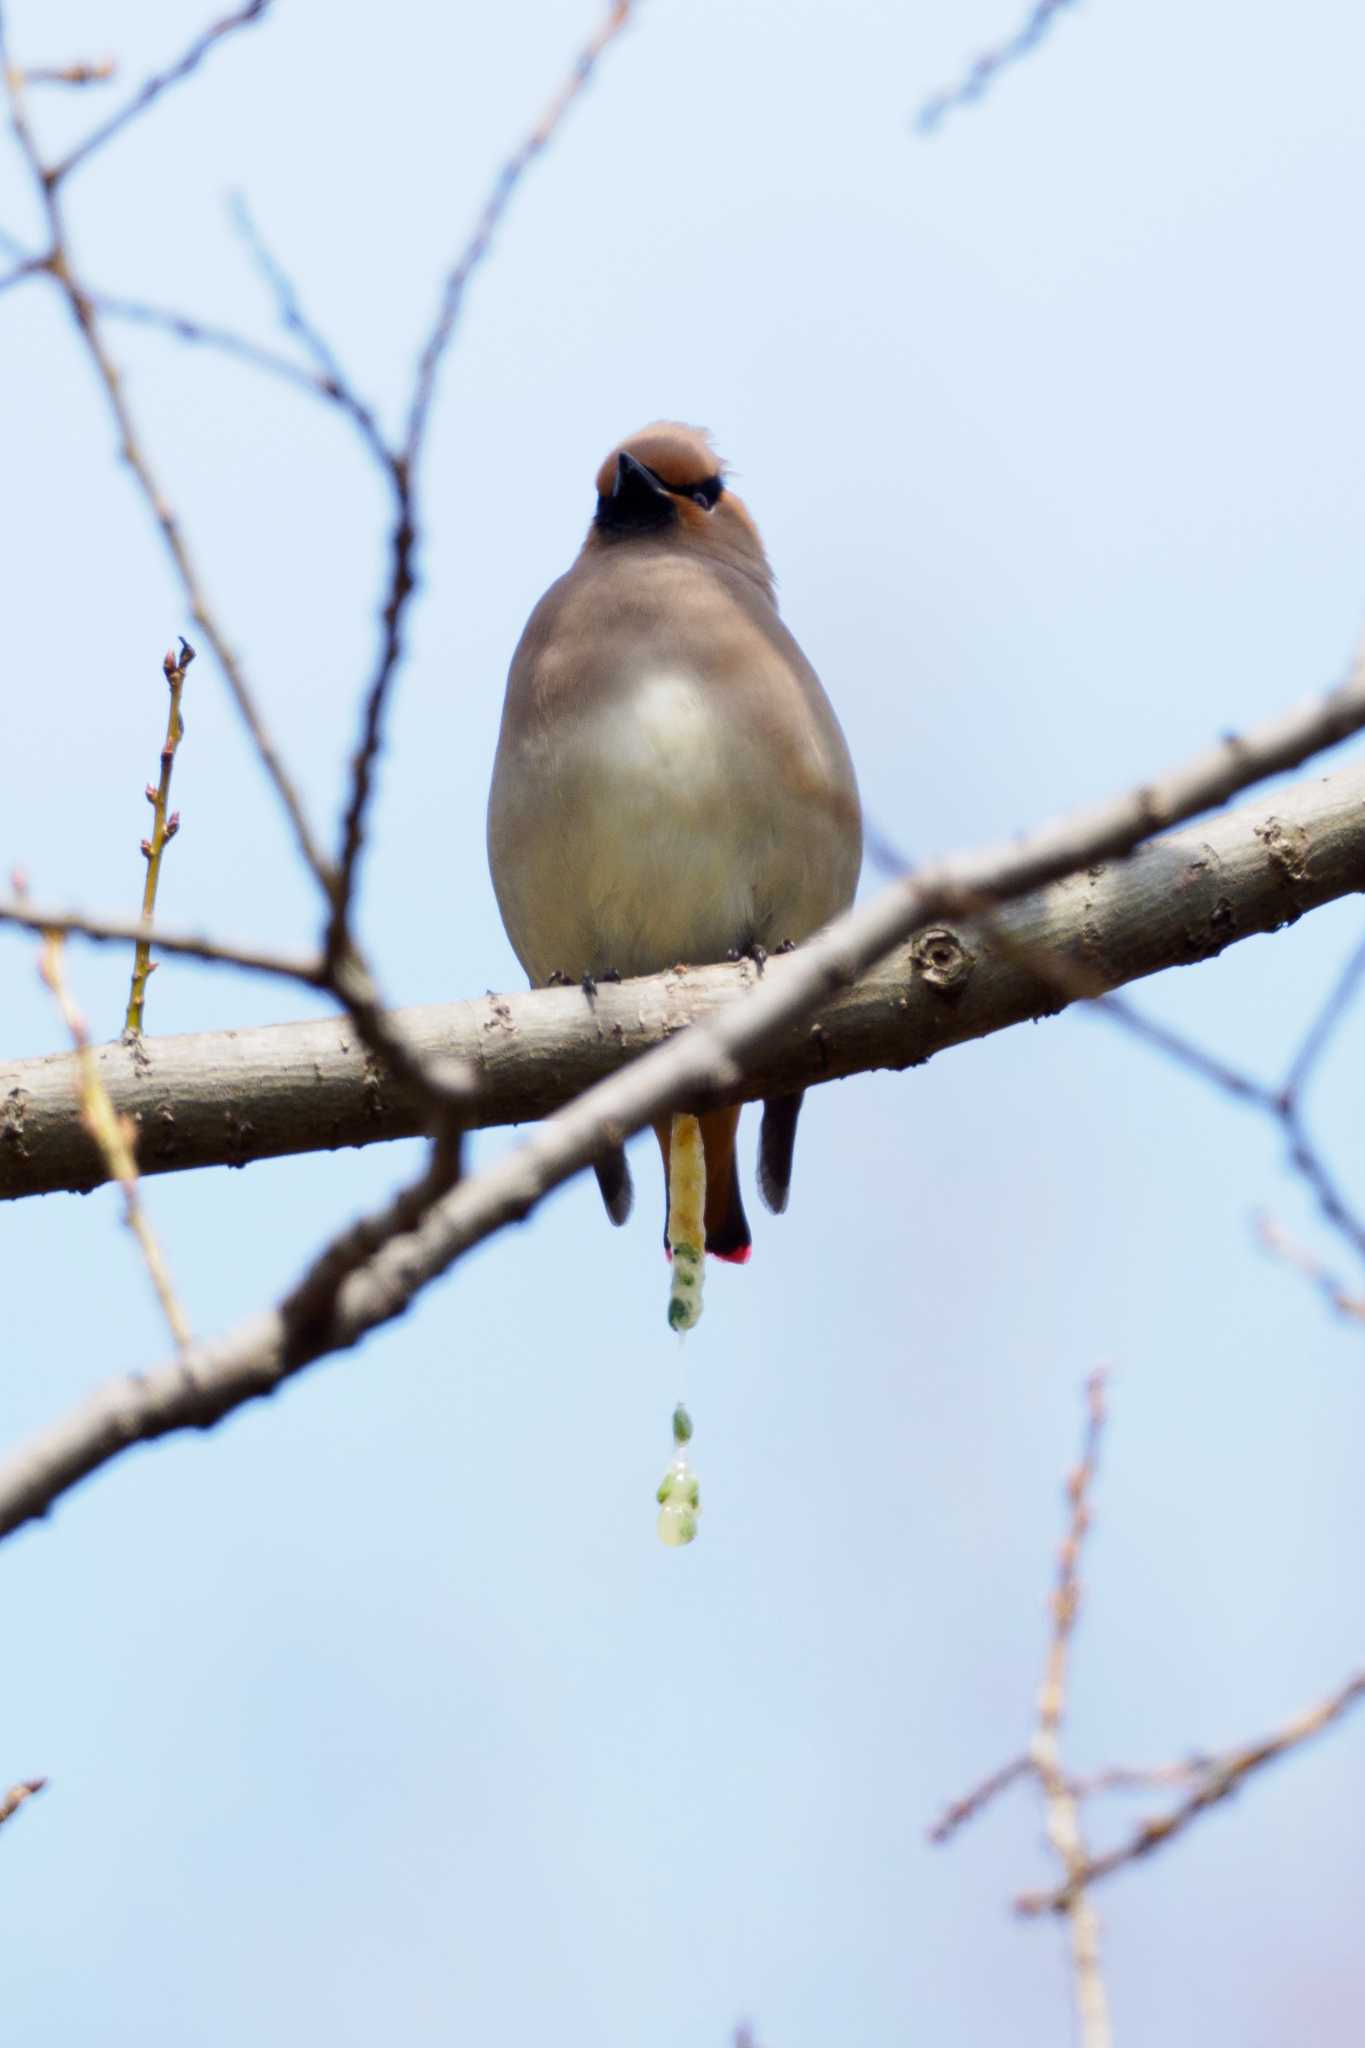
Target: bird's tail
727, 1227
613, 1178
776, 1143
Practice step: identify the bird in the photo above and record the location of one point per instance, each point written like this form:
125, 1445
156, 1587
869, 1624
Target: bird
671, 784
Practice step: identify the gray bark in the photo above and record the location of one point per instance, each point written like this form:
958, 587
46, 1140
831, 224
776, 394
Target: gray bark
232, 1097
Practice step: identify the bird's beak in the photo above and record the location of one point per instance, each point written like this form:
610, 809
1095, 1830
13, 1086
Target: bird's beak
633, 480
638, 501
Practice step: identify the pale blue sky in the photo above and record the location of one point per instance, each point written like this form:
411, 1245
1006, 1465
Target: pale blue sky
380, 1714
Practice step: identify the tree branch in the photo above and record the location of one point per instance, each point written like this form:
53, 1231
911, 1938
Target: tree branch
152, 88
709, 1061
130, 931
1219, 1778
19, 1795
227, 1098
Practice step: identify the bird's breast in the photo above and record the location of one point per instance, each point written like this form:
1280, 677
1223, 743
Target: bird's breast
654, 821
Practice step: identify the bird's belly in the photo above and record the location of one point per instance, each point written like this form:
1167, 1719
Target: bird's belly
658, 832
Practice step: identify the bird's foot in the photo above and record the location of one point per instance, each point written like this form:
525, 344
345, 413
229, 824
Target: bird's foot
787, 946
559, 979
753, 951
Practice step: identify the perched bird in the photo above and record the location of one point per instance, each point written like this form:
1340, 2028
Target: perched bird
671, 783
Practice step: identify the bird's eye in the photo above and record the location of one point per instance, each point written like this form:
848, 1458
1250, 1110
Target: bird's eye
706, 495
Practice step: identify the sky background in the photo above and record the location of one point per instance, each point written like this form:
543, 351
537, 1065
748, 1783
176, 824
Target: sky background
380, 1713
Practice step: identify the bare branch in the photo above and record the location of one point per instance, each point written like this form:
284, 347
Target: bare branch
1281, 1245
329, 380
229, 1097
969, 89
403, 464
97, 72
696, 1066
513, 171
129, 931
112, 1136
160, 82
1059, 1798
981, 1795
1225, 1774
1124, 1778
58, 263
1325, 1024
1185, 1053
33, 266
17, 1796
165, 825
203, 334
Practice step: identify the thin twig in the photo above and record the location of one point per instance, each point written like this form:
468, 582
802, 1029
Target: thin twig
130, 931
345, 972
161, 81
97, 72
331, 379
1316, 1039
114, 1135
1312, 1168
18, 1795
970, 88
974, 1802
509, 177
1060, 1802
46, 180
1125, 1778
203, 334
1225, 1774
404, 461
33, 266
1277, 1241
165, 825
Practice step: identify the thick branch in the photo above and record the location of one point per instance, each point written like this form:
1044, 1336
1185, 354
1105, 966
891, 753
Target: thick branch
235, 1096
701, 1064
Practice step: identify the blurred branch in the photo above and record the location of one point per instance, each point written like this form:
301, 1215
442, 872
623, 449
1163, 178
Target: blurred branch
970, 88
165, 825
1221, 1776
703, 1064
1211, 1778
344, 971
58, 264
1059, 1799
979, 1798
153, 87
97, 72
1061, 1794
32, 266
227, 1097
113, 1137
327, 377
1281, 1245
129, 931
17, 1796
203, 334
403, 461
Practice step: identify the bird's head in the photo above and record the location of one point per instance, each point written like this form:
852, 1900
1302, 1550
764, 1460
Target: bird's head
666, 482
